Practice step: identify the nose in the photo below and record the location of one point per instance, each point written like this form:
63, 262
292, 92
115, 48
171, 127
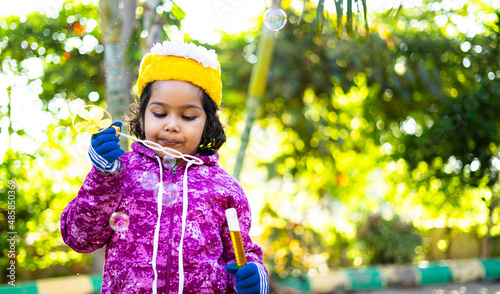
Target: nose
171, 125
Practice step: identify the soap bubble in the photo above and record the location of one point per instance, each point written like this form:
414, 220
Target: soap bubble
119, 221
275, 19
169, 161
170, 193
149, 180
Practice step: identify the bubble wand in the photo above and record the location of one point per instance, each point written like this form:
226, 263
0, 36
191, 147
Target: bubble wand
91, 119
234, 230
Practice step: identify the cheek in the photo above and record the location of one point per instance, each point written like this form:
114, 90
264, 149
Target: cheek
148, 127
201, 130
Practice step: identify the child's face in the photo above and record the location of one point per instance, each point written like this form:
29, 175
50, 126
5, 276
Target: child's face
174, 116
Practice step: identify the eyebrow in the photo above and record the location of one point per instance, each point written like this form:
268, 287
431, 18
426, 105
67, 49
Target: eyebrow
185, 106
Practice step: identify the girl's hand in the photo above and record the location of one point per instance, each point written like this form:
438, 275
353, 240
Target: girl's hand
250, 279
105, 149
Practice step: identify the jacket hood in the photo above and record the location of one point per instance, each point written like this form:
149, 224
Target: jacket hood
207, 160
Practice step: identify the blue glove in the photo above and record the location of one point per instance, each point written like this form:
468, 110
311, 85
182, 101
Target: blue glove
104, 149
250, 279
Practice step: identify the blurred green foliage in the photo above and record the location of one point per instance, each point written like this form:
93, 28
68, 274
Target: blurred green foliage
400, 122
391, 241
50, 168
51, 172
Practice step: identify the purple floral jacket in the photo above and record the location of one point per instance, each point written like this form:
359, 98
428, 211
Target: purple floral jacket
207, 243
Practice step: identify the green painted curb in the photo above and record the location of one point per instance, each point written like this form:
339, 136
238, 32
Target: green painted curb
435, 274
365, 279
96, 280
19, 288
300, 283
425, 273
492, 268
32, 287
399, 276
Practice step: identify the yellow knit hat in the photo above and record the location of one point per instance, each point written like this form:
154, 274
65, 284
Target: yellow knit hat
183, 62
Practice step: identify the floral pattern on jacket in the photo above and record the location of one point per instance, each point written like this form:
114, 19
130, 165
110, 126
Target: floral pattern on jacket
128, 264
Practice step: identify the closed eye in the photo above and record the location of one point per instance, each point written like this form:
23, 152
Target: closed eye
159, 114
189, 117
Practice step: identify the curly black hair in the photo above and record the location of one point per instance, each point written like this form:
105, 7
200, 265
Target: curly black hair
213, 136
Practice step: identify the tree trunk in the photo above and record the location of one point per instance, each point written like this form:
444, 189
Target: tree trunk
117, 19
151, 22
128, 75
486, 242
256, 89
449, 237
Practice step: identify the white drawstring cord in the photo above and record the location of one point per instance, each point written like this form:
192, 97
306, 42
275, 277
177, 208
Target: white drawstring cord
169, 151
184, 218
190, 161
157, 228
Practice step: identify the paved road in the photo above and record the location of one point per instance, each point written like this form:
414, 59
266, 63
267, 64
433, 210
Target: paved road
467, 288
480, 287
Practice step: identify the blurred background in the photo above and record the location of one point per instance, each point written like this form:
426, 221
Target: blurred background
365, 133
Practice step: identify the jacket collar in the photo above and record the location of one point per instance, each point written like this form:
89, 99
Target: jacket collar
207, 160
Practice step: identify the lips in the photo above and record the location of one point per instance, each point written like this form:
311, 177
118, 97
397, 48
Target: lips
166, 142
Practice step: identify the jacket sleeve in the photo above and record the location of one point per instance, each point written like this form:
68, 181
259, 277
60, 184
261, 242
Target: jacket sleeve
253, 252
85, 221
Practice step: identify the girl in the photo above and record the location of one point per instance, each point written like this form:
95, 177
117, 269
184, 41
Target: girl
155, 241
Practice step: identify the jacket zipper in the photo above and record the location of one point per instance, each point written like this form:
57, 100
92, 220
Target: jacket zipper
169, 252
170, 240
